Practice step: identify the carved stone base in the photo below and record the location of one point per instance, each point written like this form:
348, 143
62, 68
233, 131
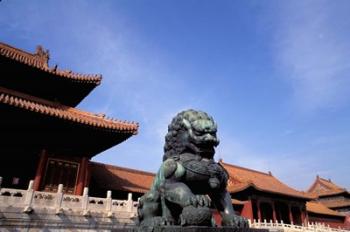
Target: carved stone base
187, 229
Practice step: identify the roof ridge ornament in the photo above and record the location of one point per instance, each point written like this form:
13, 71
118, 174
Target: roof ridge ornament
40, 59
43, 55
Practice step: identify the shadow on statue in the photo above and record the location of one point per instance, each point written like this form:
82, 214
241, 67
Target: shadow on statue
189, 183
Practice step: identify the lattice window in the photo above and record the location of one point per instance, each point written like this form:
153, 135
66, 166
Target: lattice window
60, 172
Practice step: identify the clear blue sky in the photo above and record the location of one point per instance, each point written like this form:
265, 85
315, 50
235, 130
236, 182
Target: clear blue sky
273, 74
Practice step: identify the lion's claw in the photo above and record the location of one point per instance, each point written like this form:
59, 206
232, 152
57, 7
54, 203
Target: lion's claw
236, 221
200, 200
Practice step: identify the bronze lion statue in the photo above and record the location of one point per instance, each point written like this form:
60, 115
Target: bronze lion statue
189, 182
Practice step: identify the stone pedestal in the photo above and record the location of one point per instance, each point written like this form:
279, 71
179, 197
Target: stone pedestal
186, 229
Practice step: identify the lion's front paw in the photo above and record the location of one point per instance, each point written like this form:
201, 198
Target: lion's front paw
200, 200
235, 221
169, 221
196, 216
242, 222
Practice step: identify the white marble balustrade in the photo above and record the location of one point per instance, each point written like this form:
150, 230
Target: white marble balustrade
30, 200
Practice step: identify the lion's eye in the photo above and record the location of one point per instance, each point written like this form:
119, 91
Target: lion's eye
198, 133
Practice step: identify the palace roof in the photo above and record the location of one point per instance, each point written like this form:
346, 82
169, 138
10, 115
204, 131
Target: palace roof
320, 208
336, 203
37, 109
120, 178
42, 106
30, 73
40, 59
323, 187
244, 178
29, 124
240, 179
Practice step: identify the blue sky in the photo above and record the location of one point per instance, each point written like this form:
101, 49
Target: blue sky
273, 74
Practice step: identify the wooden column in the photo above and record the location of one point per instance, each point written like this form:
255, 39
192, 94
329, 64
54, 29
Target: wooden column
87, 174
274, 216
306, 216
40, 171
302, 215
258, 207
82, 176
290, 214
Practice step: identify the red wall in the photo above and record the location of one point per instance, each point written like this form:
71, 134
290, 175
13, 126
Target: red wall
347, 222
334, 223
247, 210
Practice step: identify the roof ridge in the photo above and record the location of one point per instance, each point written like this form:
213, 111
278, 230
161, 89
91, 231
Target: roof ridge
247, 169
313, 184
39, 60
324, 179
124, 168
330, 187
332, 183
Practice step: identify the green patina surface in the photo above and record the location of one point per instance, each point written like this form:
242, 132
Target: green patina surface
189, 182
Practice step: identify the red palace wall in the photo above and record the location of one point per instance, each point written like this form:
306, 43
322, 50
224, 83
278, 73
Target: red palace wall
334, 223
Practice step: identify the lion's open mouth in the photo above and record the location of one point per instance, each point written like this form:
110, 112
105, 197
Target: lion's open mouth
206, 150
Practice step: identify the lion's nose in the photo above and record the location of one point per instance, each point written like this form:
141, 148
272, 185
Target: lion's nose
210, 138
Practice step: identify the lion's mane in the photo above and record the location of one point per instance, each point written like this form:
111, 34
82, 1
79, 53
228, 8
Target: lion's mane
174, 141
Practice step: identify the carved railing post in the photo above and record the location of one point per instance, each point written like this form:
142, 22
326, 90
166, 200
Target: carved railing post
59, 199
130, 203
85, 202
109, 204
29, 198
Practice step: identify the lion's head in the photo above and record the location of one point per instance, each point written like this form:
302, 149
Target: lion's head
193, 132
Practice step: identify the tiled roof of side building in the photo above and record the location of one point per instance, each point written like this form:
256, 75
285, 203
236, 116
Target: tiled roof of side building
319, 208
41, 106
336, 203
323, 187
125, 179
39, 60
120, 178
243, 178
